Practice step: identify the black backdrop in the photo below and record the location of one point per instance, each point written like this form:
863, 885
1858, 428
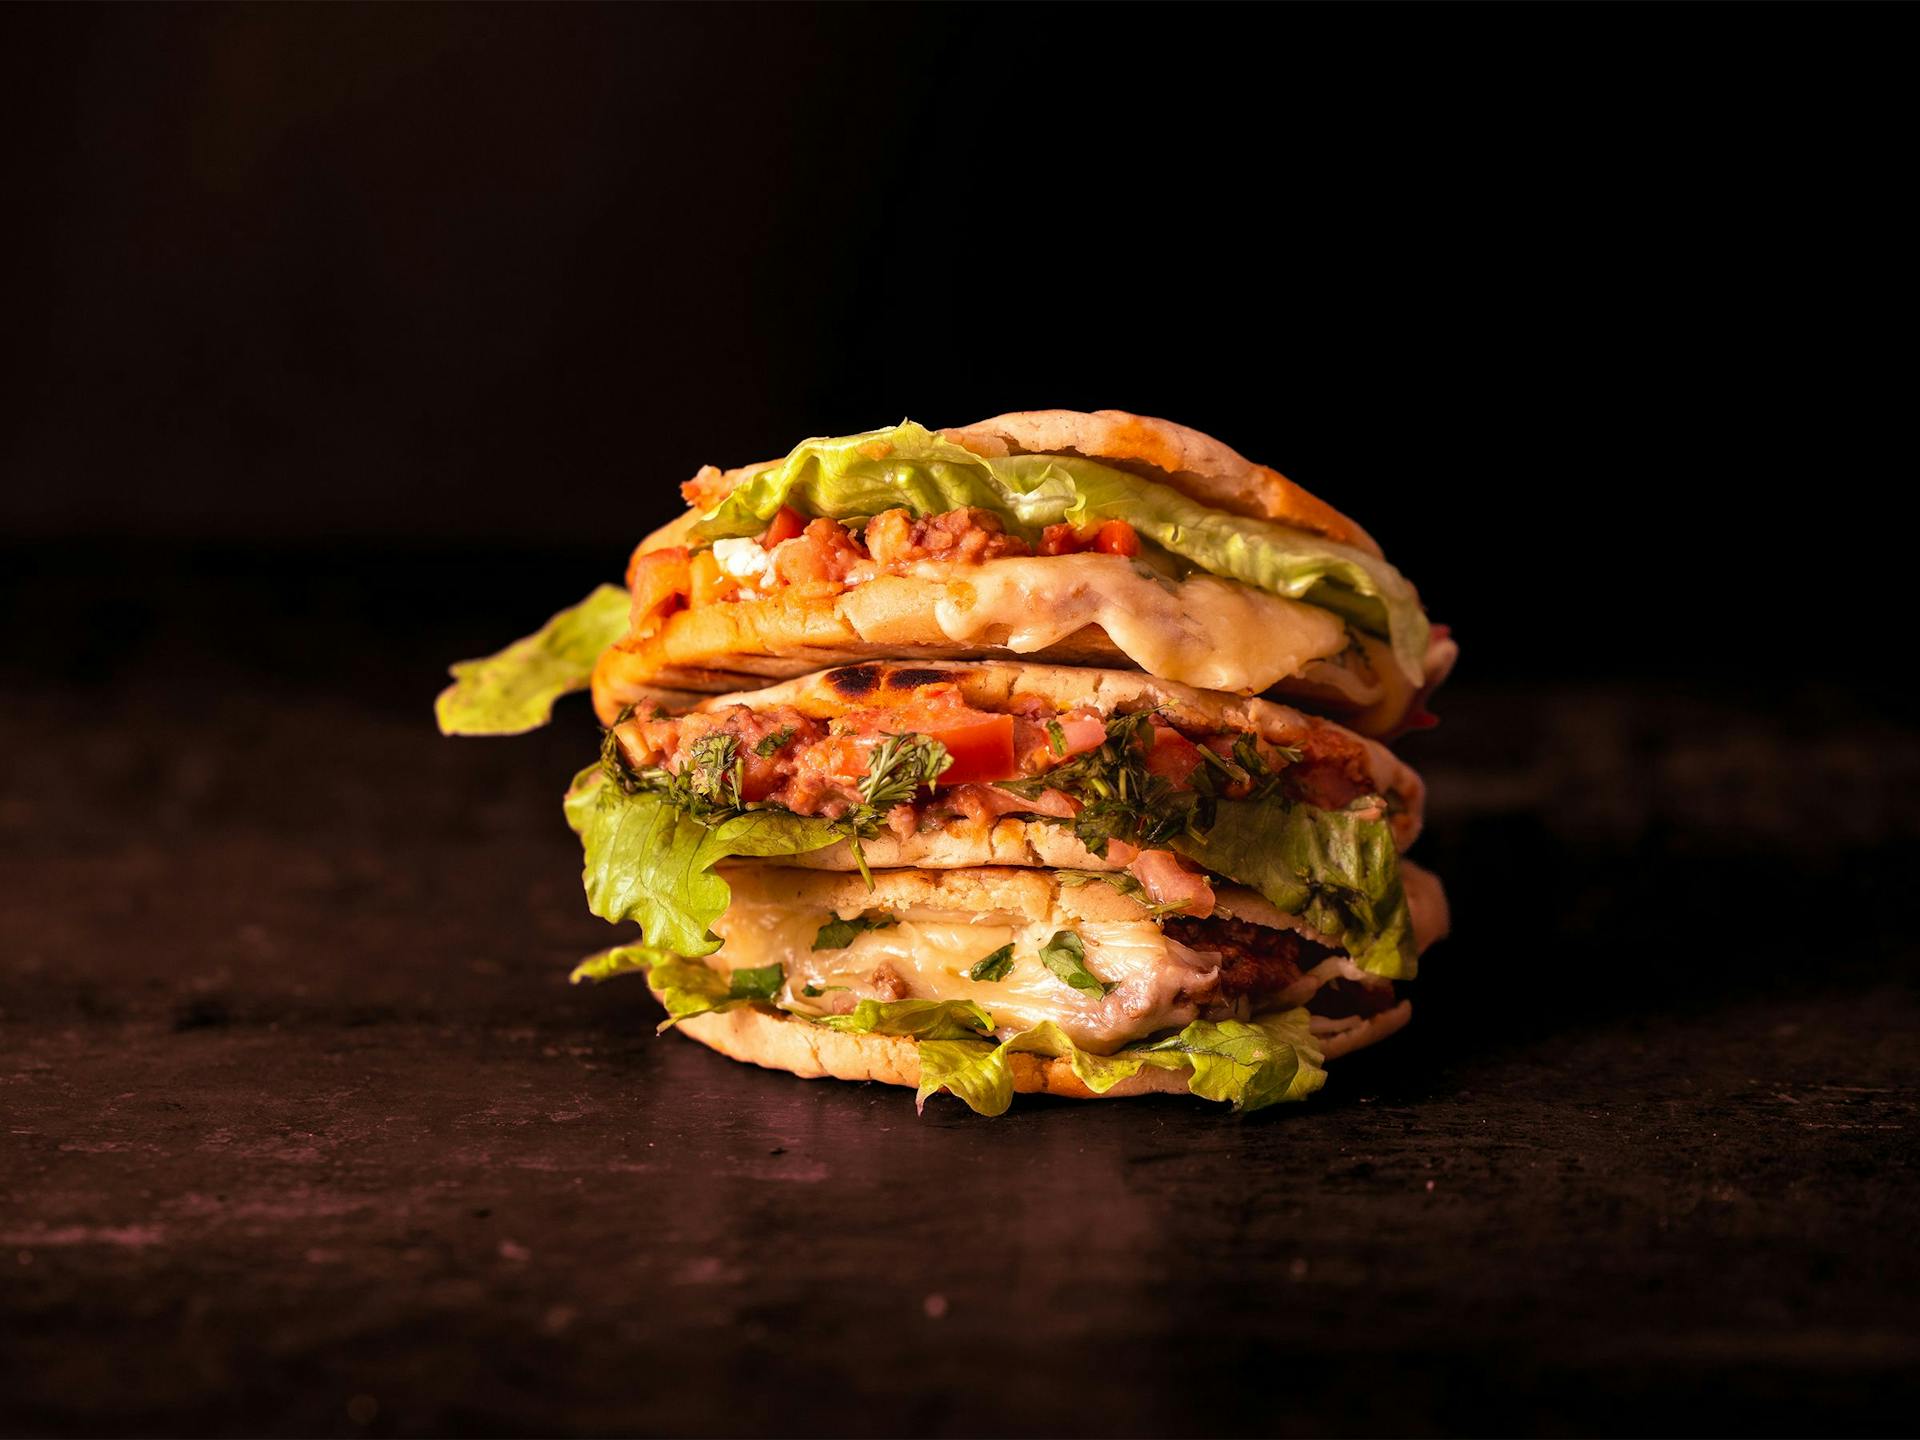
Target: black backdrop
347, 341
1581, 311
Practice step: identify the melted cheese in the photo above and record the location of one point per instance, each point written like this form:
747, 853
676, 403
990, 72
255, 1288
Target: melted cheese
1202, 631
932, 951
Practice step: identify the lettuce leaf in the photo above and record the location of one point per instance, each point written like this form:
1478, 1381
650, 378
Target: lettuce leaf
857, 476
513, 692
1337, 871
981, 1074
924, 1020
686, 987
616, 961
1251, 1066
1268, 1061
648, 860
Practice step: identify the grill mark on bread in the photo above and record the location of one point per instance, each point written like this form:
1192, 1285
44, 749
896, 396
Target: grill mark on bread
855, 681
910, 679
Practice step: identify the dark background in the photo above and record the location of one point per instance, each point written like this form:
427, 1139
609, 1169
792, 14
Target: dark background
1580, 310
348, 341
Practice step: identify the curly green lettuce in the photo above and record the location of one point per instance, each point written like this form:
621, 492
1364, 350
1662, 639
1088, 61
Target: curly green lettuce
513, 692
649, 860
686, 987
1249, 1065
1336, 869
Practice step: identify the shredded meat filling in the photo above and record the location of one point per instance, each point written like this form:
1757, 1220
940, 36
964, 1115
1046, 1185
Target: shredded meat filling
1256, 961
815, 767
969, 536
1341, 999
824, 556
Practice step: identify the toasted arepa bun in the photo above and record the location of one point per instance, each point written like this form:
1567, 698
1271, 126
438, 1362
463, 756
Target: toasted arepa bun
734, 644
779, 1041
748, 641
813, 1052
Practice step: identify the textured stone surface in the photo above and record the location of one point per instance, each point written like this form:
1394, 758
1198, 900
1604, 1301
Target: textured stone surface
301, 1130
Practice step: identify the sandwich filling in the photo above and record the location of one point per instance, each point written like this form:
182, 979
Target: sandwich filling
1104, 982
972, 865
995, 591
906, 543
978, 965
931, 498
1163, 802
929, 762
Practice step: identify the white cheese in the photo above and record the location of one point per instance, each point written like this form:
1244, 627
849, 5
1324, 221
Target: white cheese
1202, 631
933, 951
744, 559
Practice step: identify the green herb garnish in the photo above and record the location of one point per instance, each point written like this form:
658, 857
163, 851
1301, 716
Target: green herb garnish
762, 982
900, 766
712, 770
771, 745
1066, 956
994, 966
837, 934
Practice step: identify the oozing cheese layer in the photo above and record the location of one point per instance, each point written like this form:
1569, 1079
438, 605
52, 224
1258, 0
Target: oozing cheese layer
932, 951
1202, 631
1158, 982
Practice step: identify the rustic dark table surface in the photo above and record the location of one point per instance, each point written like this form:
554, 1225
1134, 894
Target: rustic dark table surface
302, 1131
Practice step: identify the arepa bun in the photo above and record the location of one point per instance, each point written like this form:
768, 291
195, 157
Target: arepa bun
813, 1052
753, 639
764, 1036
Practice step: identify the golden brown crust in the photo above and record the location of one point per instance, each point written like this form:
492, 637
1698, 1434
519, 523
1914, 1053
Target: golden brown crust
741, 644
1193, 463
744, 644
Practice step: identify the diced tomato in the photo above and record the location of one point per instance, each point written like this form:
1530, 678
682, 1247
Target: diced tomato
1061, 540
707, 582
659, 578
1173, 755
787, 524
821, 554
1117, 537
1082, 734
982, 749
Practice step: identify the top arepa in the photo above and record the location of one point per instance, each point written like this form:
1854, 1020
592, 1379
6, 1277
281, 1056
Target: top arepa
1105, 539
